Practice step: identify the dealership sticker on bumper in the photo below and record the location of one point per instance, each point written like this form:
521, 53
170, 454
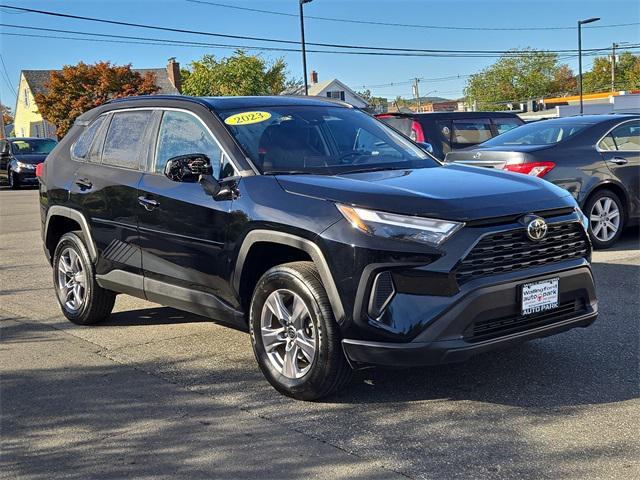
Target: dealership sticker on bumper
540, 296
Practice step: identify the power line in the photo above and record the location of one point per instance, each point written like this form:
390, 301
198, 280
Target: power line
290, 42
128, 39
405, 25
6, 77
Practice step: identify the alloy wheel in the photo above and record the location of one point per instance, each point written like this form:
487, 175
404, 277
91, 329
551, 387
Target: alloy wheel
288, 333
605, 219
72, 280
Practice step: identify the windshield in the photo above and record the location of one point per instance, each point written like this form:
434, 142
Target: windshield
537, 133
34, 146
319, 139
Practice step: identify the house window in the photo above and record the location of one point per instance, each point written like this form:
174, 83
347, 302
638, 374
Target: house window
26, 97
337, 94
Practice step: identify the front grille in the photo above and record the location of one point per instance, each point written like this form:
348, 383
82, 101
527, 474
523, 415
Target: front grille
492, 328
512, 250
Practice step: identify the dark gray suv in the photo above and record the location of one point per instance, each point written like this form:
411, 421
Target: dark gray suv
595, 157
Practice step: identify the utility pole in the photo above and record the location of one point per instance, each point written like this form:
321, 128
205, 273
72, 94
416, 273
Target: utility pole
613, 66
416, 93
2, 135
304, 51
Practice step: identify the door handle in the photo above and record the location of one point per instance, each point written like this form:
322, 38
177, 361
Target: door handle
148, 203
84, 183
619, 160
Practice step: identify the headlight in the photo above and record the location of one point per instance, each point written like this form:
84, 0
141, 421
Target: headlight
401, 227
26, 166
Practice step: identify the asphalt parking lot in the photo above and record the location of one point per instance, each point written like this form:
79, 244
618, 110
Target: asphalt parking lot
156, 392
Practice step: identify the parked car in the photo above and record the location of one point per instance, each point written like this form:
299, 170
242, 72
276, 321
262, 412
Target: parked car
336, 241
19, 157
447, 131
595, 157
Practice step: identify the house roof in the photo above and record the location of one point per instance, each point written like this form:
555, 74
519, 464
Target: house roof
38, 78
317, 88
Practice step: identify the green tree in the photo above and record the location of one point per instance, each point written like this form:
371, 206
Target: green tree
598, 79
239, 74
373, 101
78, 88
513, 78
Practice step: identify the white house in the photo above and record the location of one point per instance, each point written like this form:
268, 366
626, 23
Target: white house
330, 89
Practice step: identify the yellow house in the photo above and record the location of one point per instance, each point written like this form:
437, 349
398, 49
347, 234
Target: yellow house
28, 121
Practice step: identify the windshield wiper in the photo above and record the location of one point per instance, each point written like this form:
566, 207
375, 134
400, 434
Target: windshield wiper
373, 169
284, 172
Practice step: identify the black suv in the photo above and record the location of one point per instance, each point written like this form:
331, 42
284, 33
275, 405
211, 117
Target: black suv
450, 131
19, 158
338, 242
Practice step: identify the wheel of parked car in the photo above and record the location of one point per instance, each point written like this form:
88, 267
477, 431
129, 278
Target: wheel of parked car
606, 218
14, 181
294, 334
82, 300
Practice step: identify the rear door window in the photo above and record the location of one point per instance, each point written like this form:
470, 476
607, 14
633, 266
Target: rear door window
471, 131
505, 124
125, 141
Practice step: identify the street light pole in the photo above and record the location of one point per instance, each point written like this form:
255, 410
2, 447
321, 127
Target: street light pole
304, 52
580, 23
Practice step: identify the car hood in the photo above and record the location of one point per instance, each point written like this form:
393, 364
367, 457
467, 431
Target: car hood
455, 192
33, 159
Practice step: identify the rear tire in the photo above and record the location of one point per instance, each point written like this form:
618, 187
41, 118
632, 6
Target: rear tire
81, 299
606, 218
299, 351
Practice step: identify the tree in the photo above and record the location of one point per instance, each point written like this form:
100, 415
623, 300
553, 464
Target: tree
374, 102
513, 78
239, 74
7, 116
78, 88
598, 79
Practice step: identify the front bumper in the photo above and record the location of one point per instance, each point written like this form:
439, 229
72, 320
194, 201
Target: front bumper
485, 318
27, 176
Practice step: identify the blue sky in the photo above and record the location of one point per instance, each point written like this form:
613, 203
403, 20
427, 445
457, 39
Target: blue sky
356, 71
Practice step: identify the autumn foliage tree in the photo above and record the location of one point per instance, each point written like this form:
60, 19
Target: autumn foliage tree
7, 116
77, 88
519, 76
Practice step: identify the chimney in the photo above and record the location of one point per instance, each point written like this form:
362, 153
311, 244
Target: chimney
314, 76
173, 72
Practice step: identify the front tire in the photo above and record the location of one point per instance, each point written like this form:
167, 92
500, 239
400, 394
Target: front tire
13, 179
606, 218
295, 337
81, 299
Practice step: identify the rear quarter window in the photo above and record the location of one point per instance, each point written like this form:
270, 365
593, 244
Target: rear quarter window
80, 149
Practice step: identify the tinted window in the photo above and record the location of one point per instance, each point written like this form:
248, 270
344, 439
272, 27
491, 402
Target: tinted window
471, 131
82, 145
627, 137
538, 133
181, 134
505, 124
607, 143
33, 146
124, 143
320, 139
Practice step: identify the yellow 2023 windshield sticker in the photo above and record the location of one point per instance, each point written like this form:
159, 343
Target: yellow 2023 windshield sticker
247, 118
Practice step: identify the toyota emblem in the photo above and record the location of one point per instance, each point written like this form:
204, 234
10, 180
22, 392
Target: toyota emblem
536, 229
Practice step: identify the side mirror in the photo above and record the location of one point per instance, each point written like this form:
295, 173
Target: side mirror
188, 168
426, 146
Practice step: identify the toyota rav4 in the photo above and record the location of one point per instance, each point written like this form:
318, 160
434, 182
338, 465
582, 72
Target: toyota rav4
335, 241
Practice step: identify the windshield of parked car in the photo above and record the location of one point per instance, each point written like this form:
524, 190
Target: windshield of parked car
537, 133
320, 139
35, 146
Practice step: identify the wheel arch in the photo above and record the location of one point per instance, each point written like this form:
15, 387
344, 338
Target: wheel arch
61, 220
306, 250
